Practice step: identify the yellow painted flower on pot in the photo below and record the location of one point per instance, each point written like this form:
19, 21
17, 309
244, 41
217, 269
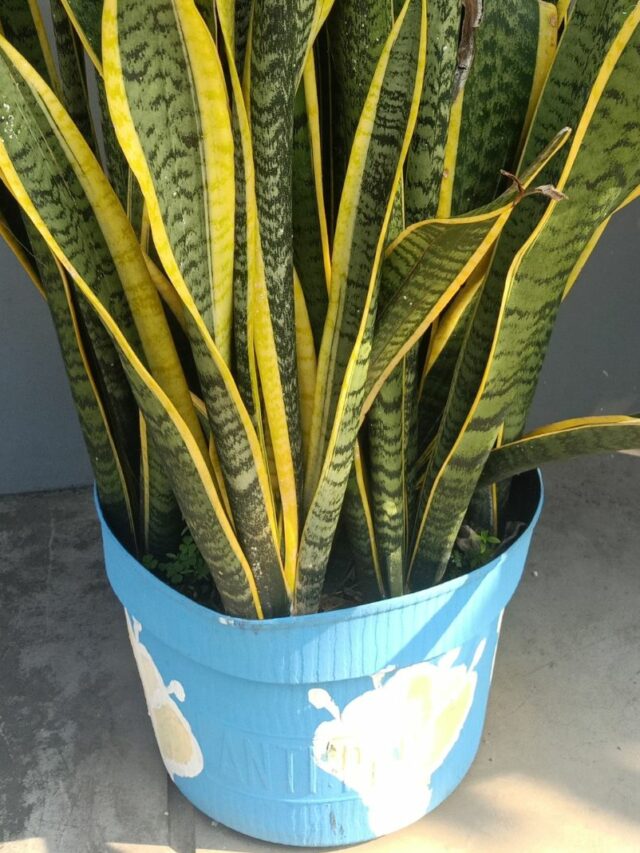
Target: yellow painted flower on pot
387, 743
178, 746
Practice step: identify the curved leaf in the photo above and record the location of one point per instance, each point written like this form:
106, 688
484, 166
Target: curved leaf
59, 184
245, 592
427, 265
561, 440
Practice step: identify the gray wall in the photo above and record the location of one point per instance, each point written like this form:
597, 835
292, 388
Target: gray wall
593, 363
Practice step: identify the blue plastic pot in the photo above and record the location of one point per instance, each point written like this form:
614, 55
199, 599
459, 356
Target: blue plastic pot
326, 729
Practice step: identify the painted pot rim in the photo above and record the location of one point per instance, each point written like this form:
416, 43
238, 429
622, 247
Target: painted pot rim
319, 620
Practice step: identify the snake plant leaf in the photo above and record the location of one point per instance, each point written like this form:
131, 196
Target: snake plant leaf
161, 521
444, 350
353, 62
117, 169
389, 453
372, 179
242, 23
360, 530
589, 35
73, 78
86, 18
427, 265
354, 71
230, 15
243, 352
581, 54
181, 142
56, 179
260, 329
167, 292
114, 477
64, 205
311, 254
599, 173
425, 161
207, 10
495, 100
307, 236
562, 440
216, 467
22, 25
280, 36
355, 260
237, 443
245, 592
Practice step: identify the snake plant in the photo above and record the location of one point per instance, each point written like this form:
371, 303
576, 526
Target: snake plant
304, 258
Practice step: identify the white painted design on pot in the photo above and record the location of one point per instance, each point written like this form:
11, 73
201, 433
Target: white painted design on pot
387, 743
178, 746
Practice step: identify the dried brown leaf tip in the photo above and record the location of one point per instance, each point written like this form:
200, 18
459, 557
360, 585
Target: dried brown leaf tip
547, 190
550, 191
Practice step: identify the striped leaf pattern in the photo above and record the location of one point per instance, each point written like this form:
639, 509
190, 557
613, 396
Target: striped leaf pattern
379, 150
114, 474
360, 531
355, 69
161, 522
67, 197
247, 593
186, 140
307, 230
73, 80
429, 264
495, 100
425, 161
354, 61
387, 453
444, 350
236, 440
581, 54
597, 176
22, 25
53, 186
279, 42
561, 440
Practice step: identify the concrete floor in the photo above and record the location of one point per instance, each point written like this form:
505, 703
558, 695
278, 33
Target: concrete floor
558, 770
